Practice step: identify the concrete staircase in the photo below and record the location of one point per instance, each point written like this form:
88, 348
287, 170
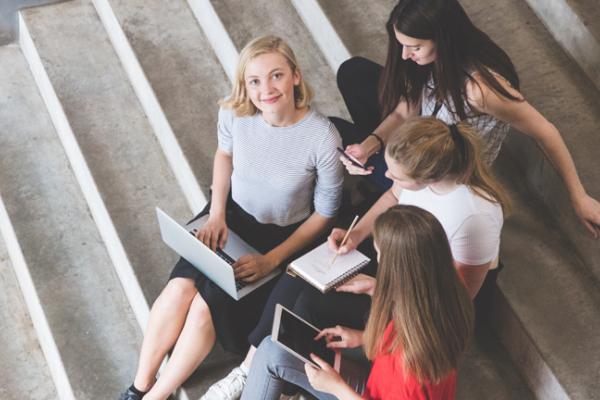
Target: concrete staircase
126, 121
80, 294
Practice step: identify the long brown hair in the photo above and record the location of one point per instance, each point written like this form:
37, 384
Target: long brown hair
462, 50
419, 291
429, 150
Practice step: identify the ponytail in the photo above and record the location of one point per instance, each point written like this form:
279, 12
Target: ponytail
429, 151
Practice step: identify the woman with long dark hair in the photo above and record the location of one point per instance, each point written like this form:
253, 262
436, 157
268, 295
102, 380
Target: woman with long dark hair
420, 321
440, 64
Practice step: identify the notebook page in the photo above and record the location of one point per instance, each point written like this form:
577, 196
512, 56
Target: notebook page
317, 264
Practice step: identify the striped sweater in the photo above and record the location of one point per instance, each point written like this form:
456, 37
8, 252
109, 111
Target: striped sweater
281, 174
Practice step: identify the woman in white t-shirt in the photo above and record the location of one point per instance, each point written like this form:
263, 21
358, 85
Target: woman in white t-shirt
439, 168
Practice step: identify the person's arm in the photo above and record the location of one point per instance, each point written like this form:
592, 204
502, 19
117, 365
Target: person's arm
360, 284
472, 276
401, 113
328, 380
221, 182
525, 118
214, 232
475, 245
369, 146
346, 338
251, 267
364, 227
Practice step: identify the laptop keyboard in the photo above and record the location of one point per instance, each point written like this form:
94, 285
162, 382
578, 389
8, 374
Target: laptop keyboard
225, 257
239, 284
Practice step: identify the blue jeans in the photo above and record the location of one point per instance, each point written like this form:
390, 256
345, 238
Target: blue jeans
272, 366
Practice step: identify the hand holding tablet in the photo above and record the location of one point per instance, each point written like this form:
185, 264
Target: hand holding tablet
299, 338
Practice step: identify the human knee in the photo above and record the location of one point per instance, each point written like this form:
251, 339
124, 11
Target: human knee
179, 291
349, 71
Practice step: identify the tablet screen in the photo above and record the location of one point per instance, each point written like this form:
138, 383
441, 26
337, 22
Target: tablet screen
298, 336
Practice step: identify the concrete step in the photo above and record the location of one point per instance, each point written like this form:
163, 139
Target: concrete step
183, 71
114, 135
553, 84
245, 21
367, 40
22, 365
88, 314
487, 372
547, 308
575, 24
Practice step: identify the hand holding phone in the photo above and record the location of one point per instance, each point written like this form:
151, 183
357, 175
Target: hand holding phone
352, 160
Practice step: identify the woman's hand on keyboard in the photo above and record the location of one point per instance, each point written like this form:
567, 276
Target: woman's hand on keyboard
252, 267
213, 233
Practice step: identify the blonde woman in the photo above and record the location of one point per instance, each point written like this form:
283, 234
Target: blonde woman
276, 162
420, 321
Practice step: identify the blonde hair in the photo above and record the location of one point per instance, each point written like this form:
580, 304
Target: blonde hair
239, 101
429, 150
419, 291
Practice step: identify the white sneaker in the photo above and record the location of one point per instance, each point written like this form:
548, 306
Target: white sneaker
228, 388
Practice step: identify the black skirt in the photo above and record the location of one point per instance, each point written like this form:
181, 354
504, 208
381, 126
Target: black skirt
234, 319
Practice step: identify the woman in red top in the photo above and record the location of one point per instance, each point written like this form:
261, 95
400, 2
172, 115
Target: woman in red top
420, 321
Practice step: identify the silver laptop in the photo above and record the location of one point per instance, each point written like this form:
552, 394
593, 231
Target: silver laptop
216, 265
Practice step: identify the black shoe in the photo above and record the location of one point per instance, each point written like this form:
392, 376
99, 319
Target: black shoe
130, 395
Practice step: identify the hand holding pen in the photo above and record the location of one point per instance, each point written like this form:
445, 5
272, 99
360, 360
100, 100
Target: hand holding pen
346, 243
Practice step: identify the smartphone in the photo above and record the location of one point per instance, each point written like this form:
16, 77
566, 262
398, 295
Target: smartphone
353, 160
298, 337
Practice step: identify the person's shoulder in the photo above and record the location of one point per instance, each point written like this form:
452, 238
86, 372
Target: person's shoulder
478, 90
225, 114
228, 116
314, 117
482, 204
323, 123
320, 126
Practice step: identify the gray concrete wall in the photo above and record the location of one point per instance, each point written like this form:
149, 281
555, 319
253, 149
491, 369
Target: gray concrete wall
8, 17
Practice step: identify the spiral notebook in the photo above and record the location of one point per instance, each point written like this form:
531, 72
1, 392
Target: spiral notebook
315, 267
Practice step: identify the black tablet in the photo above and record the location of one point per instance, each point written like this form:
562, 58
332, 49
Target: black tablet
297, 337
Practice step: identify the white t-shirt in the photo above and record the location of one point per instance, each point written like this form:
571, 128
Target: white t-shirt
472, 223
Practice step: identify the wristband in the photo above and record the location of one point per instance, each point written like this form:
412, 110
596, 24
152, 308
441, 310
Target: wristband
382, 146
